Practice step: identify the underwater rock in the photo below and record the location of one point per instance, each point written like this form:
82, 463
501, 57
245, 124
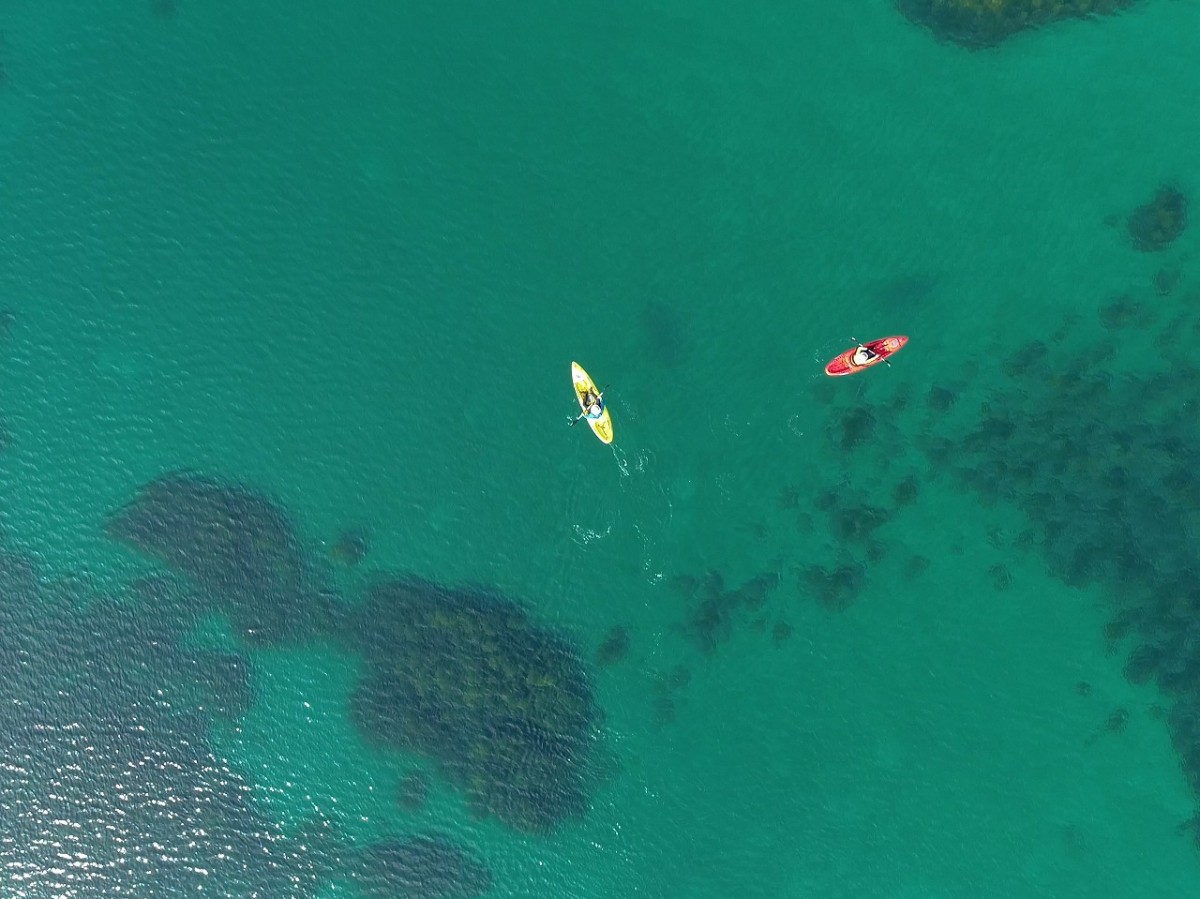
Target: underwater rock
684, 585
678, 677
350, 547
857, 524
711, 621
941, 399
876, 551
1125, 312
855, 428
781, 631
906, 491
1028, 358
916, 566
467, 678
614, 647
753, 593
1001, 577
1114, 724
827, 500
1154, 226
1143, 664
1166, 279
834, 588
985, 23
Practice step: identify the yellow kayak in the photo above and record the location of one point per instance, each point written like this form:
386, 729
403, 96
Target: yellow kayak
602, 427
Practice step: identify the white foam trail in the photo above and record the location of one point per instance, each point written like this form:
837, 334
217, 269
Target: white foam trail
583, 536
622, 462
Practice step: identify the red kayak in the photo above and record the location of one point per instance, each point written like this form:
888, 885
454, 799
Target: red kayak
844, 364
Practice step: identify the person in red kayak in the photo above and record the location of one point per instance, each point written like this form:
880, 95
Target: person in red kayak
863, 354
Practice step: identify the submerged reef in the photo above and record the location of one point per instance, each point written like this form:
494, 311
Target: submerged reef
465, 677
1106, 471
236, 545
986, 23
461, 675
1156, 225
420, 867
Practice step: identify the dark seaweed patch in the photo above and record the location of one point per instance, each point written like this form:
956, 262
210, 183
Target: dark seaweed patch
1104, 471
1155, 225
711, 620
855, 428
614, 647
232, 542
857, 524
941, 399
976, 24
350, 547
905, 493
835, 588
465, 677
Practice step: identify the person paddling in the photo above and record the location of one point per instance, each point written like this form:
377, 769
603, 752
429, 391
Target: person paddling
593, 407
863, 354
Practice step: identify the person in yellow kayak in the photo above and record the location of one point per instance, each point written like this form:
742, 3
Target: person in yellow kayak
593, 406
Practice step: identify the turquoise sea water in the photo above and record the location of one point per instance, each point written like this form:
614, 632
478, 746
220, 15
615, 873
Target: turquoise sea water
312, 247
